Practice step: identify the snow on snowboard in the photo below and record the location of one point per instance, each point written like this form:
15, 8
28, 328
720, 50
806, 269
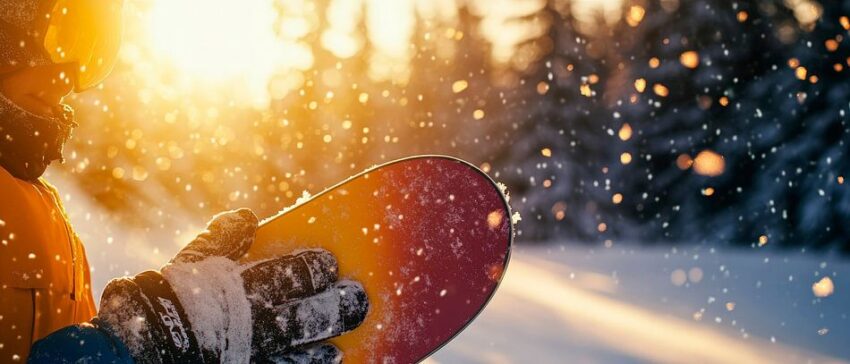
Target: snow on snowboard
428, 237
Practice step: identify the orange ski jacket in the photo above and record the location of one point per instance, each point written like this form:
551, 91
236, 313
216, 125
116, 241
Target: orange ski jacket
45, 283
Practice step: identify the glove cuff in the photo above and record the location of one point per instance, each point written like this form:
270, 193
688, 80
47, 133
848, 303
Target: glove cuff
168, 318
217, 305
146, 314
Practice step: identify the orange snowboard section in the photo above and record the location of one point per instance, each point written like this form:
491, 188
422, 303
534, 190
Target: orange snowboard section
428, 237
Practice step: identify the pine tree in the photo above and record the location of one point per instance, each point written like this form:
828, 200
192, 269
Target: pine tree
552, 163
793, 132
688, 66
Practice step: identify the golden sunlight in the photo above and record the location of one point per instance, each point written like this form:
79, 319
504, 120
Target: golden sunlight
254, 52
225, 41
214, 38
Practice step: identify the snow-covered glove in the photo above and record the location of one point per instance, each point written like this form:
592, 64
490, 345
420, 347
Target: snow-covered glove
205, 306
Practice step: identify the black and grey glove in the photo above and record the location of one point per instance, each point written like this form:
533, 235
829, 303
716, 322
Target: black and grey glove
204, 306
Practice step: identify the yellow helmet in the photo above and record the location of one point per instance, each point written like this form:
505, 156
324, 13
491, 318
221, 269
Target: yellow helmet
86, 33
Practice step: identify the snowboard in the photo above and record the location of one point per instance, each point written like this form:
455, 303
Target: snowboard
429, 237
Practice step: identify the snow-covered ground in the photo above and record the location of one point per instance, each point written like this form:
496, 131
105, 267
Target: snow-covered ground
572, 303
619, 305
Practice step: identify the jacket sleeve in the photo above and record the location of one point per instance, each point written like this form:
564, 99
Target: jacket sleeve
83, 343
87, 310
16, 318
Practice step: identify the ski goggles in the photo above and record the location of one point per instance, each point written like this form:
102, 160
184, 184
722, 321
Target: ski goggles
86, 33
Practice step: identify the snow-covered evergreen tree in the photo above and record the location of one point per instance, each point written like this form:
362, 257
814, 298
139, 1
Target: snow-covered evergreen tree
791, 144
558, 133
688, 65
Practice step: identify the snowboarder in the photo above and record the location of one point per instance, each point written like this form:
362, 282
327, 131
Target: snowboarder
203, 306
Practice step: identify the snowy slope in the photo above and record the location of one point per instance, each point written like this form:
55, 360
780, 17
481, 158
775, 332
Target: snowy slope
571, 303
575, 304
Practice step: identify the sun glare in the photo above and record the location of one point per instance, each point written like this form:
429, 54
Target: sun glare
215, 41
260, 50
